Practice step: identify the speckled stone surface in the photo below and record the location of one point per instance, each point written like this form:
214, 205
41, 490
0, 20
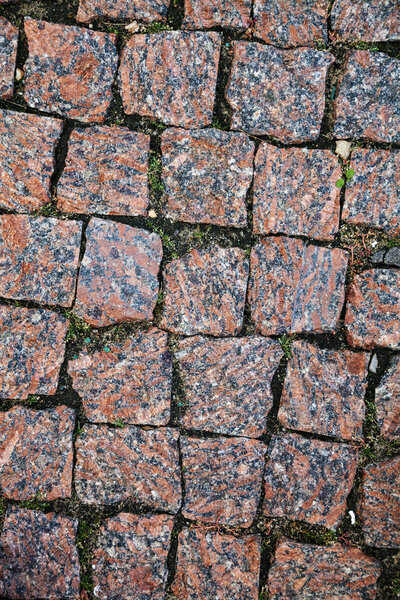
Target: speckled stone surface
105, 172
8, 57
27, 144
205, 14
31, 351
114, 464
130, 560
171, 76
212, 565
223, 479
373, 194
387, 401
275, 92
36, 453
206, 175
295, 288
227, 383
130, 380
41, 563
368, 20
143, 10
39, 259
380, 504
324, 391
367, 104
205, 292
295, 192
118, 274
373, 309
69, 70
307, 572
308, 480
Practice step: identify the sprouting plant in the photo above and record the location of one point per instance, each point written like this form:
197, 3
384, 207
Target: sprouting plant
286, 344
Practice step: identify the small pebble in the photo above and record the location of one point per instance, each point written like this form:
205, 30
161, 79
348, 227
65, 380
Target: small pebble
373, 365
132, 27
152, 214
343, 149
19, 74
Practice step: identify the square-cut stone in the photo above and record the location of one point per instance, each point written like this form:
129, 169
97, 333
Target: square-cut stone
206, 175
206, 14
39, 259
118, 277
275, 92
227, 383
36, 453
387, 401
105, 172
70, 70
367, 20
143, 10
171, 76
8, 57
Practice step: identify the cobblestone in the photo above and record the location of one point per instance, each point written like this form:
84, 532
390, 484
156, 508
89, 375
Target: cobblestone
387, 401
206, 14
143, 10
368, 20
8, 57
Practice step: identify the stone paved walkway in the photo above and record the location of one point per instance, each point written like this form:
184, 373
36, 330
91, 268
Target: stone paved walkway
200, 300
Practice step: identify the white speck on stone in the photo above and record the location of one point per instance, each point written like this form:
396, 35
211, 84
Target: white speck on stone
352, 517
373, 364
96, 591
343, 149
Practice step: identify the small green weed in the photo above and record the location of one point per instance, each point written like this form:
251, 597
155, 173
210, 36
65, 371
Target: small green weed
286, 344
119, 423
166, 240
154, 174
77, 328
155, 27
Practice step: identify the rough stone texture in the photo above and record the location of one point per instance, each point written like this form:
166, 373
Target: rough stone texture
373, 309
278, 92
212, 565
227, 383
36, 453
27, 144
230, 14
32, 345
223, 479
387, 402
367, 105
324, 391
373, 194
295, 288
130, 381
41, 563
69, 70
113, 465
39, 259
130, 560
368, 20
206, 175
171, 76
392, 257
205, 292
105, 172
295, 192
308, 480
306, 572
380, 504
143, 10
8, 57
118, 274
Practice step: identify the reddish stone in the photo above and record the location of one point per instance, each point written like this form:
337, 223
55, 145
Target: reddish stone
213, 565
130, 560
36, 453
70, 70
171, 76
32, 345
118, 274
144, 10
373, 309
38, 556
368, 20
205, 292
27, 144
387, 402
308, 480
324, 391
227, 383
8, 57
39, 259
205, 14
223, 479
295, 288
206, 175
275, 92
105, 172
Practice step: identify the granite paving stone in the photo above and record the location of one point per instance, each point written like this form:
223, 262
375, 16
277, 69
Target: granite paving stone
206, 175
171, 76
118, 277
295, 192
206, 14
367, 20
117, 464
223, 479
143, 10
69, 70
8, 57
130, 560
227, 383
367, 104
387, 401
36, 453
276, 92
105, 172
308, 480
41, 563
129, 381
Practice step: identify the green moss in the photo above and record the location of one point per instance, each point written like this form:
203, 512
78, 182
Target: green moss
155, 27
78, 329
154, 174
286, 344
